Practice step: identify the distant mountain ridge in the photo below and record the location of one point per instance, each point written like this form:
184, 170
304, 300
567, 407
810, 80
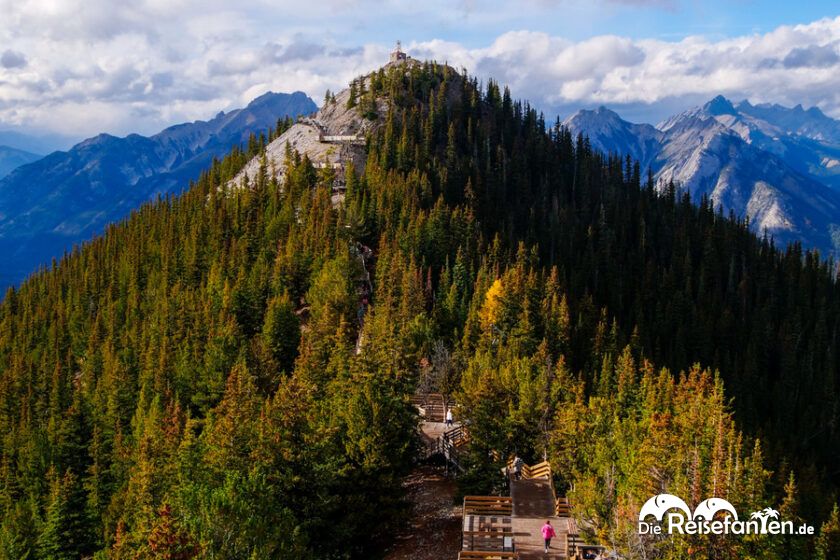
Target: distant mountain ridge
12, 158
35, 143
65, 197
778, 166
608, 132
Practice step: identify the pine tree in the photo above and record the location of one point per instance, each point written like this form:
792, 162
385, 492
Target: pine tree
828, 541
66, 533
281, 331
169, 541
351, 98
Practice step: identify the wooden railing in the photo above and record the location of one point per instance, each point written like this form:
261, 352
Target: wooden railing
492, 540
540, 470
487, 555
458, 436
572, 542
450, 445
352, 138
497, 539
576, 549
432, 406
562, 507
488, 505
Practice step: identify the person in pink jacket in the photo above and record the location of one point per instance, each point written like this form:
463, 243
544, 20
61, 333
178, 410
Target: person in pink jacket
548, 533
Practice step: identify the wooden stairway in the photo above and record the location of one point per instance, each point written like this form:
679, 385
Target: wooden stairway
432, 406
532, 497
533, 504
502, 528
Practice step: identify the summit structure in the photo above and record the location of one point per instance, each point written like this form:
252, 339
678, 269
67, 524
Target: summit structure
397, 55
335, 136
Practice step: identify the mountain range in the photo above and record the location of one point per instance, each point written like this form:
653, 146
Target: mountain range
778, 166
12, 158
66, 197
37, 143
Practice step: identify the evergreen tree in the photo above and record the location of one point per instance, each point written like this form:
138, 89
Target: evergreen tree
351, 98
828, 542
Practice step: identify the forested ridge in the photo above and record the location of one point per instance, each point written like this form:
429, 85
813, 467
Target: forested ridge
188, 385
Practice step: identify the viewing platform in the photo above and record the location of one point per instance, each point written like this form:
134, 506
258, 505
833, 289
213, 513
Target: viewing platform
510, 527
341, 138
504, 527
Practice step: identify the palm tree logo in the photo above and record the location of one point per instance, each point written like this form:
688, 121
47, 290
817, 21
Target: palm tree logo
764, 515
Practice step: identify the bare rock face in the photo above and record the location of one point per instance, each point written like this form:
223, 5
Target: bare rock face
332, 137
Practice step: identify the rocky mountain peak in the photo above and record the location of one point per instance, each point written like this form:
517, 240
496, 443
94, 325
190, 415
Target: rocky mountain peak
780, 166
335, 135
720, 106
65, 197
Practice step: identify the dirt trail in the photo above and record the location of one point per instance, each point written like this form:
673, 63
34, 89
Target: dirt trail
434, 530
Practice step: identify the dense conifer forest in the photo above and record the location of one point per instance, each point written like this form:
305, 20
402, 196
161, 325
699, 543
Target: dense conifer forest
205, 381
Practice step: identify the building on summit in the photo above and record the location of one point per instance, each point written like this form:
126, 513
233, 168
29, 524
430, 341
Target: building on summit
397, 55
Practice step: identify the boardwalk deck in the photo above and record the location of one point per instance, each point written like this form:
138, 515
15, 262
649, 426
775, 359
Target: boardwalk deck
495, 525
533, 504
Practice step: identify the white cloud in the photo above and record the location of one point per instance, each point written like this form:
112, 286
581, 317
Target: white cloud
84, 66
792, 64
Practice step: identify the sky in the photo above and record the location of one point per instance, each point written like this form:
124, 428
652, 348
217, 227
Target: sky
76, 68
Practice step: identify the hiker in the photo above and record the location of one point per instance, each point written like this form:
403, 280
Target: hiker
548, 533
449, 417
517, 467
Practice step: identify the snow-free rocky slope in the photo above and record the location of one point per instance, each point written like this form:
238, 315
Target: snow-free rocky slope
334, 119
66, 197
772, 164
334, 136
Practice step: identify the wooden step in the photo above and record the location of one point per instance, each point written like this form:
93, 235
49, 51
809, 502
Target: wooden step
487, 555
563, 509
488, 505
532, 497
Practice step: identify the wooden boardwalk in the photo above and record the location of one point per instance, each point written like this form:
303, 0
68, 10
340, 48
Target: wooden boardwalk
510, 528
533, 504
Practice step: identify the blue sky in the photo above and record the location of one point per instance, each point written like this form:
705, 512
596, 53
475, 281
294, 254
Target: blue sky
477, 23
78, 67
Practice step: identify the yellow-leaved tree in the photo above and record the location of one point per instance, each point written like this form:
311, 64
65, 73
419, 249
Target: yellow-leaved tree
492, 308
